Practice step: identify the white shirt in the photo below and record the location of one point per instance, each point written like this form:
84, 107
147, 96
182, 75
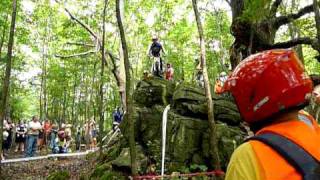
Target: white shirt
34, 125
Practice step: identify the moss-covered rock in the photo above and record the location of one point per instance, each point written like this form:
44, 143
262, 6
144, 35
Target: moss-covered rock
123, 162
190, 101
187, 130
105, 172
153, 91
60, 175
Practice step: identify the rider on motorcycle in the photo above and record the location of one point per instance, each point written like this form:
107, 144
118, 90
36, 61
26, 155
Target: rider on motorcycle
156, 50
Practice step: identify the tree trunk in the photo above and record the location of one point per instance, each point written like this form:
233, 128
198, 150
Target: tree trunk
213, 135
294, 33
262, 29
3, 37
129, 109
101, 104
317, 18
6, 83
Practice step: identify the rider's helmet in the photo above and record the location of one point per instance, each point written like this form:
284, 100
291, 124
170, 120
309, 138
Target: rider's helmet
268, 83
154, 38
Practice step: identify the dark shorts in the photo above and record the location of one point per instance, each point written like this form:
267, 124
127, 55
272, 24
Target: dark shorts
20, 139
41, 135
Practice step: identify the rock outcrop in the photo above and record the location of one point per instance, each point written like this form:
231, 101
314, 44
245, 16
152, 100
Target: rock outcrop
187, 129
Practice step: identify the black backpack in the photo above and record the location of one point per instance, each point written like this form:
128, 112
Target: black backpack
295, 155
155, 49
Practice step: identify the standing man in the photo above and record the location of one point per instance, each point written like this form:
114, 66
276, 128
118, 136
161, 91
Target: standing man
156, 50
117, 118
34, 128
270, 89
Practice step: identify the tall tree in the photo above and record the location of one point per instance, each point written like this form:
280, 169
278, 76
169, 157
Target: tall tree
6, 83
129, 89
255, 24
317, 18
213, 135
103, 60
2, 38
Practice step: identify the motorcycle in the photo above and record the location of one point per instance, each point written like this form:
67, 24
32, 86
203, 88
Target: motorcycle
157, 67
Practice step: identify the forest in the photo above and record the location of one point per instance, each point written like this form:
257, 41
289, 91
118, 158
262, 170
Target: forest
75, 61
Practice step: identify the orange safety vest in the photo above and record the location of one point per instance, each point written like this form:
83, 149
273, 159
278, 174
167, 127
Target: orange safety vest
275, 167
218, 87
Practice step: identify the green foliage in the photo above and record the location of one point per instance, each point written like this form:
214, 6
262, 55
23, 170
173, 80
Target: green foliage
198, 168
256, 10
60, 175
45, 30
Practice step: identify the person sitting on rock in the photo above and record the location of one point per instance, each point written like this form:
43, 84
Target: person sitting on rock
270, 89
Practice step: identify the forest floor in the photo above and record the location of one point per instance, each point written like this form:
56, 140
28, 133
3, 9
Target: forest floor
40, 169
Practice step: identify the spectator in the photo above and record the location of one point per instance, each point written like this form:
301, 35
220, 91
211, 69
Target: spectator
21, 131
87, 134
5, 135
78, 138
117, 118
218, 86
9, 128
34, 128
68, 137
199, 78
62, 139
94, 134
286, 142
40, 140
47, 129
169, 72
54, 139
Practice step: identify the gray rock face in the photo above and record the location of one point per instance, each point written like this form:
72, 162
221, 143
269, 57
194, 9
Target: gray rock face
187, 127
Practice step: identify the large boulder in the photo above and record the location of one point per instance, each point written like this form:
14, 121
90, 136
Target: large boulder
187, 138
187, 135
190, 100
153, 91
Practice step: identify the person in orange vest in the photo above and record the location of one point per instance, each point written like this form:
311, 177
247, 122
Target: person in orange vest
218, 86
270, 89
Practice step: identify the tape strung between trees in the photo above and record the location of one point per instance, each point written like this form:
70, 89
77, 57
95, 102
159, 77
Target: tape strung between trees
47, 156
113, 134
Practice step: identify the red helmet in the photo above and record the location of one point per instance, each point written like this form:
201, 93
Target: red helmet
267, 83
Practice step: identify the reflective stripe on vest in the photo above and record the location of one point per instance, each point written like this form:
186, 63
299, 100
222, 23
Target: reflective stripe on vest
272, 165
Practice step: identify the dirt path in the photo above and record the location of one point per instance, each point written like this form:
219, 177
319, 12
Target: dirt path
40, 169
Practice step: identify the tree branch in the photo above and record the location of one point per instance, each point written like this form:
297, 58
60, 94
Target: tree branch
228, 1
282, 20
274, 7
81, 24
291, 43
75, 55
80, 44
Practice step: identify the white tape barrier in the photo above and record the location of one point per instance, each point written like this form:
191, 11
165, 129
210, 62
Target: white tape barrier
113, 135
47, 156
104, 138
